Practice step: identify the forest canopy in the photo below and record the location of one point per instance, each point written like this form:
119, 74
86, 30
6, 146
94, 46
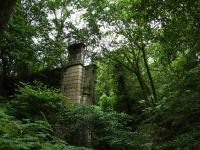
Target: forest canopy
147, 55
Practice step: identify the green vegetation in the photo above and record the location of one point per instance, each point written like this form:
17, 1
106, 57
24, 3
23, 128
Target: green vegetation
36, 118
148, 85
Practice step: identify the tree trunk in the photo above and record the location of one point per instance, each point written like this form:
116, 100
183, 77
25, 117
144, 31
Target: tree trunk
5, 78
6, 7
149, 74
143, 86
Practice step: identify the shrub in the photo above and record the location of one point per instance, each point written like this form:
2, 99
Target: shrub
107, 103
34, 105
107, 129
36, 102
27, 134
21, 135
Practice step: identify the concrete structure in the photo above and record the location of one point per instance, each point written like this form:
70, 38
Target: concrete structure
78, 81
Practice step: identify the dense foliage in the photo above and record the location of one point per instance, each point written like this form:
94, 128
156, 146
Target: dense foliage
36, 101
37, 118
148, 85
28, 134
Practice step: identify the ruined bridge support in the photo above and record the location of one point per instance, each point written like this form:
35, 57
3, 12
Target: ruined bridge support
78, 81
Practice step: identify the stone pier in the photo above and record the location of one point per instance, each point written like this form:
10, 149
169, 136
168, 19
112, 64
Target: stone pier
78, 81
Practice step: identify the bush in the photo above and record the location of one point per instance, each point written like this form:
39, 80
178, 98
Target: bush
31, 136
107, 103
108, 129
75, 124
27, 134
17, 135
36, 102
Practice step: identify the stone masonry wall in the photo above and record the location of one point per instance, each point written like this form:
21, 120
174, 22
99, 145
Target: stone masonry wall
78, 81
89, 84
72, 83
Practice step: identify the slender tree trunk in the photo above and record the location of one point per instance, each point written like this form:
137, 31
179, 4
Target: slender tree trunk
149, 74
121, 85
143, 86
4, 81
